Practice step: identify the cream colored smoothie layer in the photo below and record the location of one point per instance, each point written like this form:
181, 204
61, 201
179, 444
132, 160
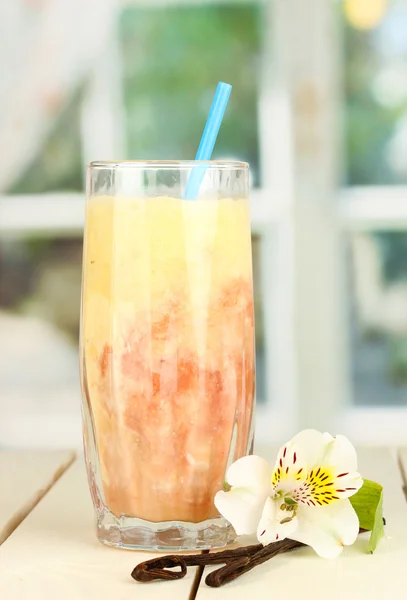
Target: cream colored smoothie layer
168, 349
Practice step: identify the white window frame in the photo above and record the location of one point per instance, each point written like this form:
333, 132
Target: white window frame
299, 214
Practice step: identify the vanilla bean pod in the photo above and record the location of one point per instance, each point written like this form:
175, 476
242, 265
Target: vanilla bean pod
237, 562
239, 566
157, 568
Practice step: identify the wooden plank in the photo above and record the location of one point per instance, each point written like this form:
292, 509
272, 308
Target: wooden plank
403, 468
54, 554
25, 477
355, 574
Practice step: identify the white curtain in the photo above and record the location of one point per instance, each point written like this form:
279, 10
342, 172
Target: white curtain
47, 47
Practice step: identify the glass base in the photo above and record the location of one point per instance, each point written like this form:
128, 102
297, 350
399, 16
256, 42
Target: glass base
169, 536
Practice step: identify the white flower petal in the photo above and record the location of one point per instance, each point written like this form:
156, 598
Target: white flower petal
242, 508
311, 446
341, 454
250, 472
346, 486
316, 462
327, 529
270, 528
296, 458
290, 468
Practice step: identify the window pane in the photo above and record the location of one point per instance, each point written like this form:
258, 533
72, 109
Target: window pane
40, 283
58, 165
379, 318
375, 78
173, 59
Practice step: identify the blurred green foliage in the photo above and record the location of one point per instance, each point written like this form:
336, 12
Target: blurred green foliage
369, 126
173, 59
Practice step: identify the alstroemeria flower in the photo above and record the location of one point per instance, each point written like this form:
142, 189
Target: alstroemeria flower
305, 497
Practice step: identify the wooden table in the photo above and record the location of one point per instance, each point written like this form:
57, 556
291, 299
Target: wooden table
49, 550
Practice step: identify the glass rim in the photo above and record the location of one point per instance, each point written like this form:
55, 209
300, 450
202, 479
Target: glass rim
168, 164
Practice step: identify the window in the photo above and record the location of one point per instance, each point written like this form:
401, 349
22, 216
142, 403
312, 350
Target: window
325, 133
375, 66
375, 214
165, 61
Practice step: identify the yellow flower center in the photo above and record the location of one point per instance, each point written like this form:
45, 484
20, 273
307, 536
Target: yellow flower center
318, 487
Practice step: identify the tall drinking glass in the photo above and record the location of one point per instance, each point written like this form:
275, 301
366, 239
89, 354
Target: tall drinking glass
167, 349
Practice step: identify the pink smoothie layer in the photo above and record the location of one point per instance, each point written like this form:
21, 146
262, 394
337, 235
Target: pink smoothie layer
168, 350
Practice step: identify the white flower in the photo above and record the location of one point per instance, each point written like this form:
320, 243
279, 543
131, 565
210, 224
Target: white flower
305, 497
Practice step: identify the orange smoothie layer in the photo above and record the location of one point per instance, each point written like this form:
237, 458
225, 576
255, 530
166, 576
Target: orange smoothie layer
168, 350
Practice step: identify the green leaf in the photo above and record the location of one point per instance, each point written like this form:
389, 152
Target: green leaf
368, 504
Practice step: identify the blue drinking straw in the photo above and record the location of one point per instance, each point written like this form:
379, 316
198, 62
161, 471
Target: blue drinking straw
208, 139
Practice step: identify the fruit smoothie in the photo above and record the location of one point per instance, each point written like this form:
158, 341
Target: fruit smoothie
167, 350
